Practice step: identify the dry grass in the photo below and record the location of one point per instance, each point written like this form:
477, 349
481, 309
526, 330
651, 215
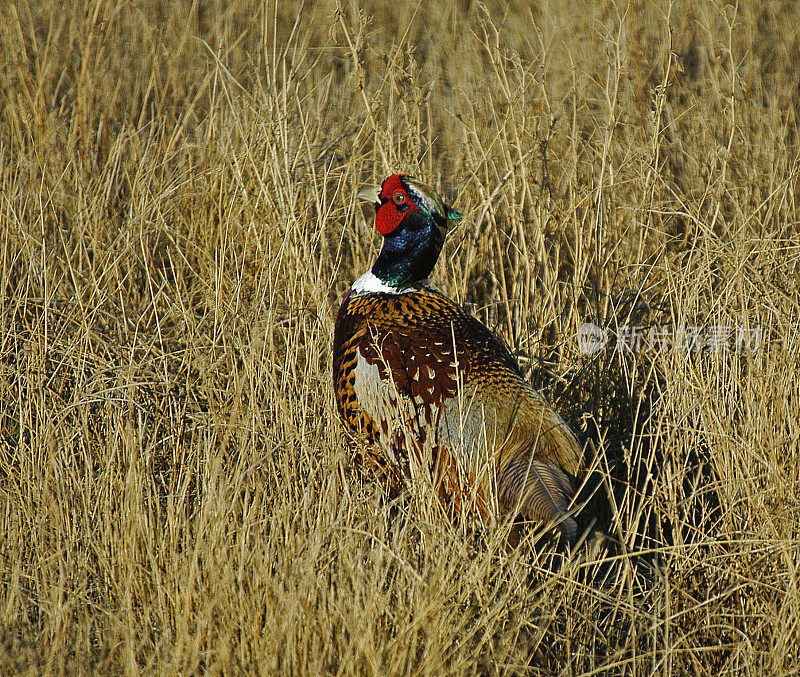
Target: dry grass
178, 220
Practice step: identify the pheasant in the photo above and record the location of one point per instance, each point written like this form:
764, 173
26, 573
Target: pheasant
433, 390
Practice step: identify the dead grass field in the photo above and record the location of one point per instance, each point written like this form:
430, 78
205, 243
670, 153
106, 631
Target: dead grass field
178, 222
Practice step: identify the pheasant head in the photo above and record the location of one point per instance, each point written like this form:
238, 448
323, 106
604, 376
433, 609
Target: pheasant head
413, 220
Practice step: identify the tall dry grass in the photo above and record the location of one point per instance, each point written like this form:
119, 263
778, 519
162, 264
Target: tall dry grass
178, 218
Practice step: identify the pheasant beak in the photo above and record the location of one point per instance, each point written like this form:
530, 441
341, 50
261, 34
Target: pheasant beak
370, 194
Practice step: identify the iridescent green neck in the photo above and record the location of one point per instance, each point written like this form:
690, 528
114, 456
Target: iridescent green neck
410, 253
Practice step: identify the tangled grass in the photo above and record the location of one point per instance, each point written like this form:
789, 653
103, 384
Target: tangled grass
178, 219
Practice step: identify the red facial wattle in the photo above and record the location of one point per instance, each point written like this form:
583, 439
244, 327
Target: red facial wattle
396, 204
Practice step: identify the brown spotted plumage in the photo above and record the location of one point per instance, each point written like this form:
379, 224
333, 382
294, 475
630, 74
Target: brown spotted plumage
433, 390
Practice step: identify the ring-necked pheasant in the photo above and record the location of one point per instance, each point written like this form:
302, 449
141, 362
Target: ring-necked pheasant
433, 389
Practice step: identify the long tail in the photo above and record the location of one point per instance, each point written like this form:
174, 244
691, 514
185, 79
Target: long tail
538, 490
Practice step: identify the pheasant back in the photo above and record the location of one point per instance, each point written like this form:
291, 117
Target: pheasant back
433, 390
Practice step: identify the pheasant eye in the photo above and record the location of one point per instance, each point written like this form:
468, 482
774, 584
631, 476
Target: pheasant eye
398, 198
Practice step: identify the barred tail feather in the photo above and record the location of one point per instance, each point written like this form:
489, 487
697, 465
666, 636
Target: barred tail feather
539, 490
